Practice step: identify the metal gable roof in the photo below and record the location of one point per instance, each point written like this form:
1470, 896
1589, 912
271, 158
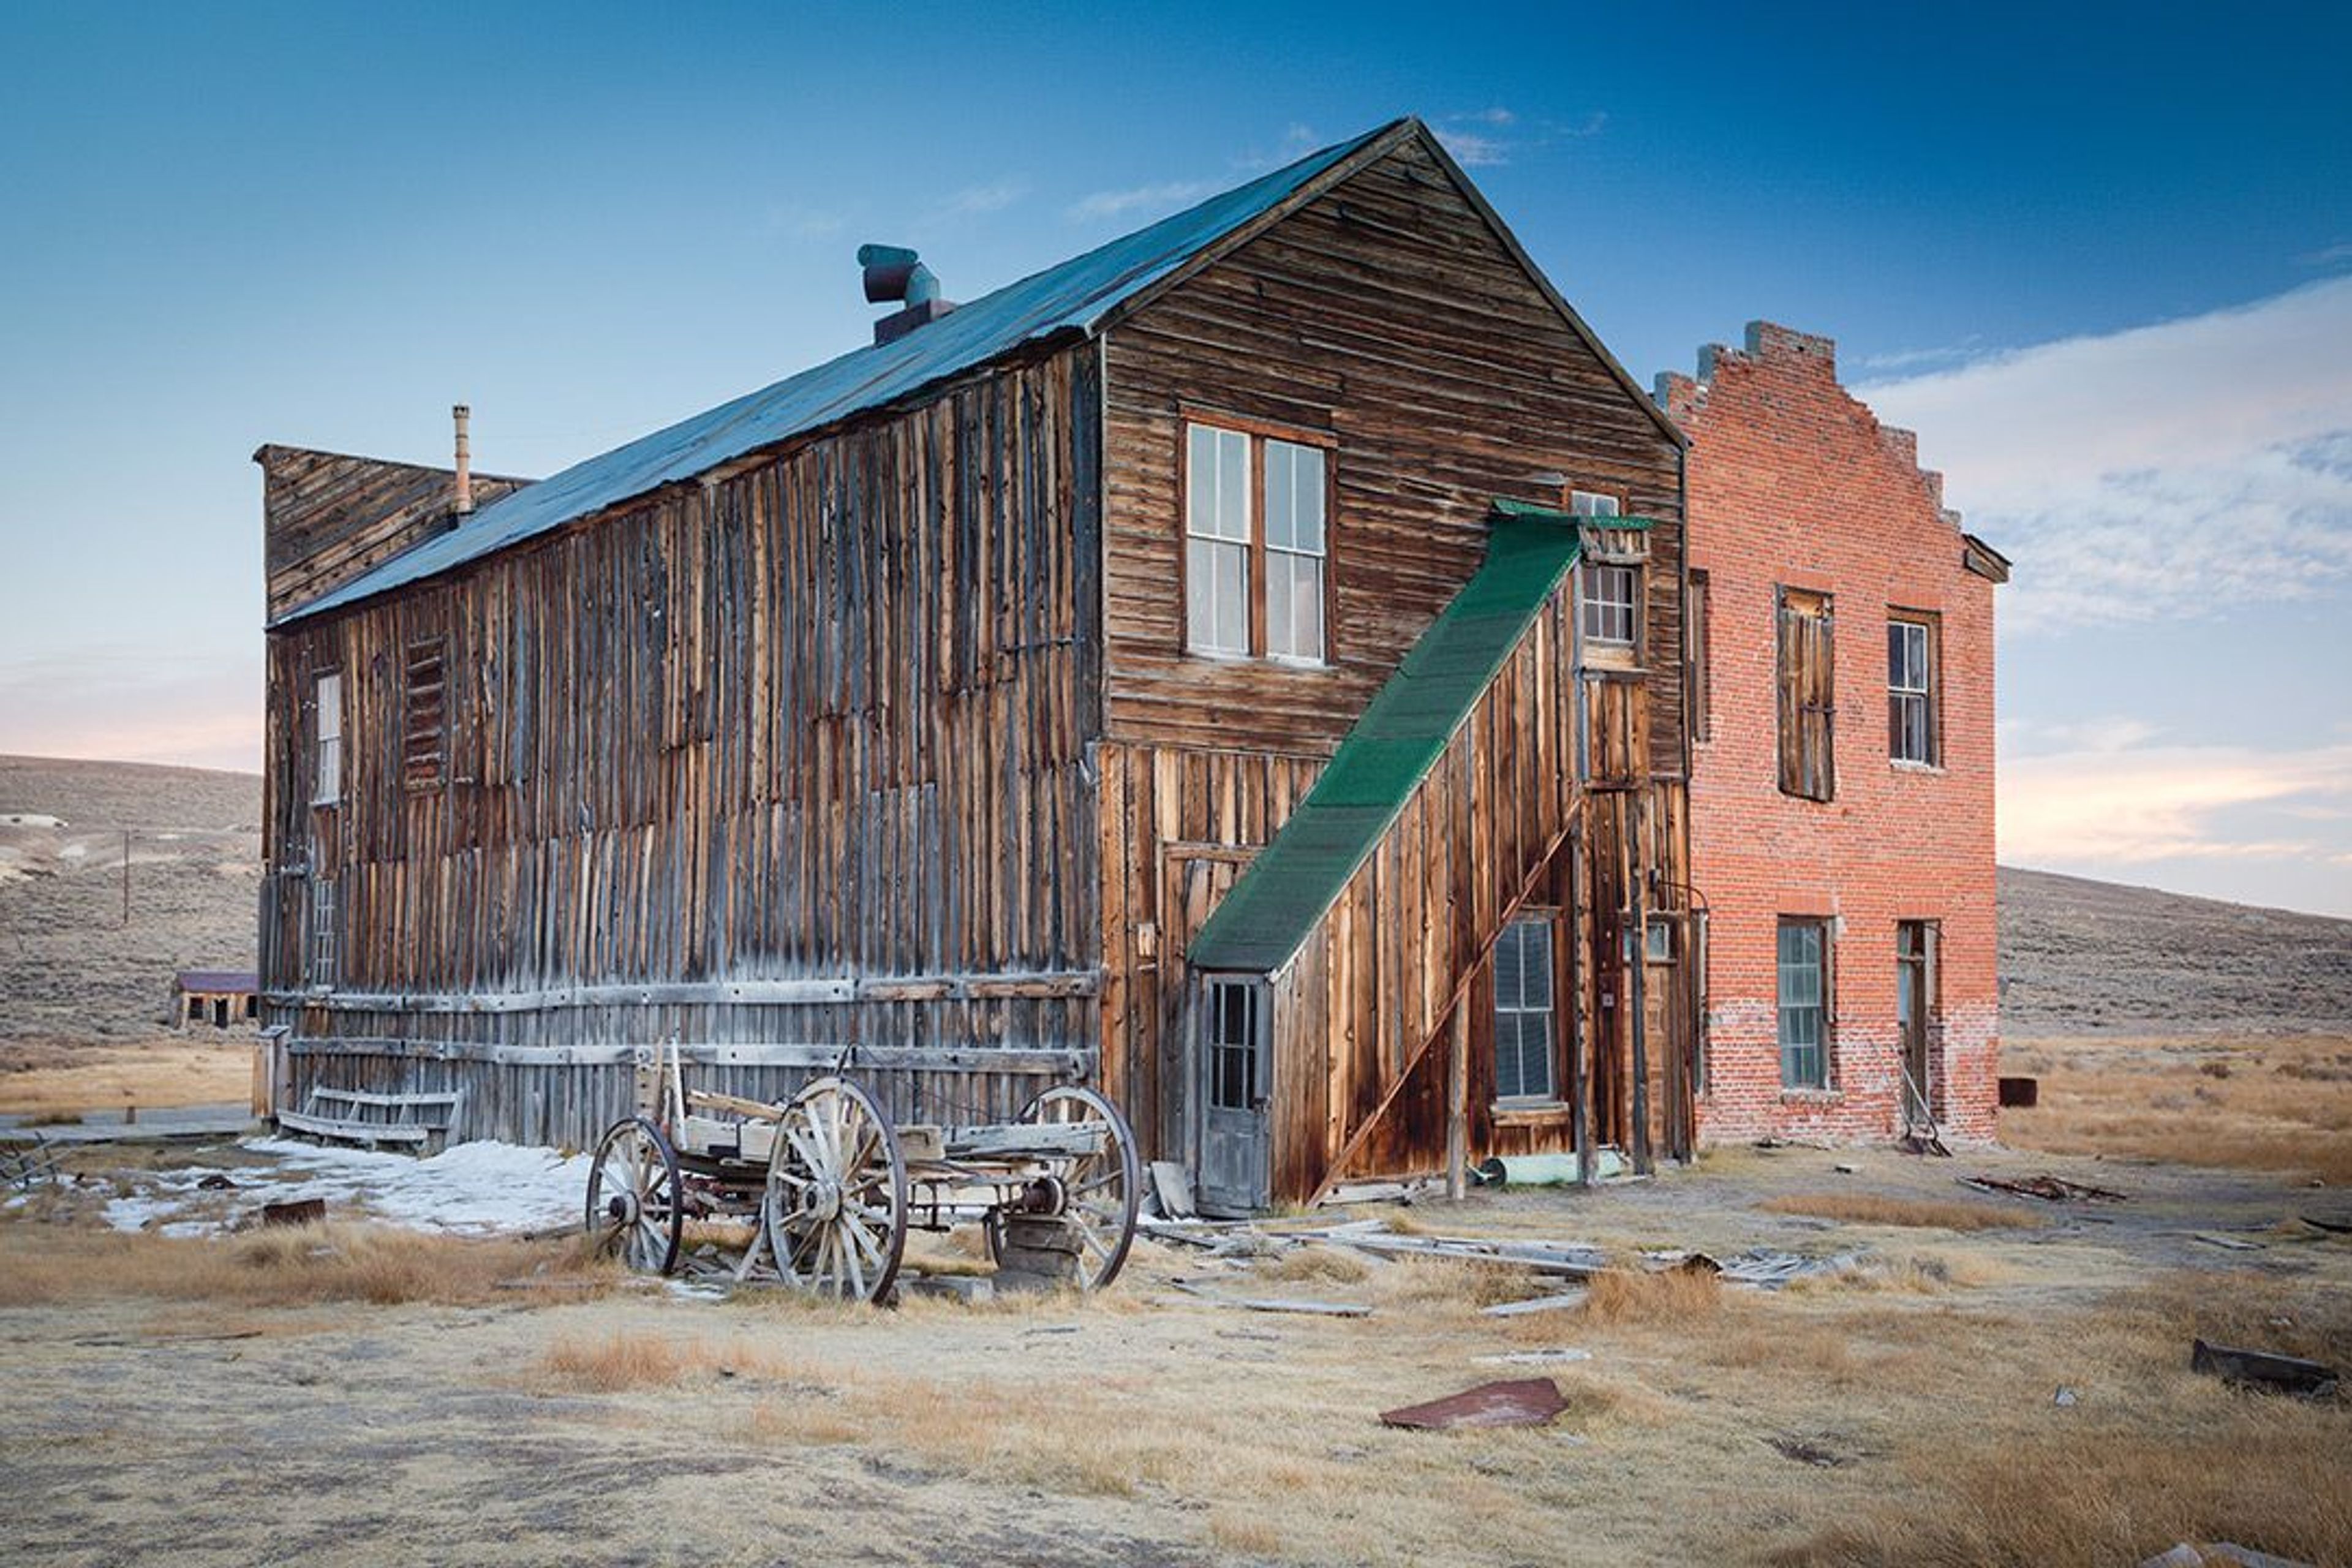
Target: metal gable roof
1077, 296
1276, 903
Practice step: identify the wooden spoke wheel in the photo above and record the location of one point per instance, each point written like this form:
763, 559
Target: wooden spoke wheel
1101, 1191
633, 1197
835, 1203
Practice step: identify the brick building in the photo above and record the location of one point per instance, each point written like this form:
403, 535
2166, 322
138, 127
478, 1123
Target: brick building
1840, 660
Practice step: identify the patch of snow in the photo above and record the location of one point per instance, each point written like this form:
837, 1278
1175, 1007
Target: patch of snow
482, 1186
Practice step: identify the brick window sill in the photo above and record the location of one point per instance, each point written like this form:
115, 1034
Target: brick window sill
1812, 1097
1906, 765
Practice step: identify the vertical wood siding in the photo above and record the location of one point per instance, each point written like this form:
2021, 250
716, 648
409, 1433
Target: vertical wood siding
825, 715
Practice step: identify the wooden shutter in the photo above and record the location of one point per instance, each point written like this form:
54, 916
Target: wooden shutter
1807, 695
424, 724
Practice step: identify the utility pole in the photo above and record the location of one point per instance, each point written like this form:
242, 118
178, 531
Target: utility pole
126, 879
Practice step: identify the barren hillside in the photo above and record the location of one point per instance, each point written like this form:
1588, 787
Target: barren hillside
2083, 957
71, 967
2076, 956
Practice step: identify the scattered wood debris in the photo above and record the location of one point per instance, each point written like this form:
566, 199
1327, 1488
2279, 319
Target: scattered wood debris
2049, 1189
1524, 1402
2262, 1370
1806, 1452
301, 1211
28, 1164
1535, 1358
1561, 1302
1273, 1304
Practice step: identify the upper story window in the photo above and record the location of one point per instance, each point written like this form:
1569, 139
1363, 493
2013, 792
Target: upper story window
1257, 511
1698, 679
1911, 734
327, 784
425, 717
1806, 672
1609, 595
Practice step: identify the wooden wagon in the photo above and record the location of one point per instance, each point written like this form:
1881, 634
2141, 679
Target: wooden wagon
828, 1188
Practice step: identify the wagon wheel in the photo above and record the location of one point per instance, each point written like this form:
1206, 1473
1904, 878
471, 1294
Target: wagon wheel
1100, 1191
633, 1197
836, 1206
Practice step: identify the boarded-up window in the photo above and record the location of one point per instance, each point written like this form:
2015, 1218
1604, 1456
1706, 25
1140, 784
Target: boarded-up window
1808, 695
328, 785
1911, 726
1804, 969
424, 715
1523, 1010
1697, 678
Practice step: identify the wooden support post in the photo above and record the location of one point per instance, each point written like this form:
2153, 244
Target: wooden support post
1580, 1124
1457, 1105
1635, 956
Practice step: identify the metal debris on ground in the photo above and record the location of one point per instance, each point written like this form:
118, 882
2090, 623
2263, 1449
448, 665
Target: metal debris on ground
1171, 1190
1524, 1402
2065, 1398
2218, 1554
2228, 1242
2260, 1369
2051, 1189
2334, 1225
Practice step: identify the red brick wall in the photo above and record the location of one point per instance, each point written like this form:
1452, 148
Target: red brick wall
1792, 481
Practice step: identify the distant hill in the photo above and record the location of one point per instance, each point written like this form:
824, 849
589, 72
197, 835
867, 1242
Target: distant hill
69, 967
2081, 957
2076, 956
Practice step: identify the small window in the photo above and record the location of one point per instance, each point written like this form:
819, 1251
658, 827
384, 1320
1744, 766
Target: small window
1232, 1044
1608, 603
1523, 1011
1658, 939
1911, 691
328, 785
1807, 695
1256, 526
425, 735
1698, 679
1593, 503
1804, 1003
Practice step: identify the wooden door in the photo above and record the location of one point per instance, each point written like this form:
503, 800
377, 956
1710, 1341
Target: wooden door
1914, 1005
1233, 1174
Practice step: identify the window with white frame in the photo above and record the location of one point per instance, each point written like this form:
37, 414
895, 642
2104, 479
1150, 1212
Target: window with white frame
1523, 1011
1607, 607
1911, 689
1593, 503
1256, 545
323, 956
327, 785
1217, 535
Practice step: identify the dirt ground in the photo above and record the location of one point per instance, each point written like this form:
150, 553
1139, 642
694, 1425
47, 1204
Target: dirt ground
357, 1395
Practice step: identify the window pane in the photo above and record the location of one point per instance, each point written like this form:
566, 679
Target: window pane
1200, 594
1507, 964
1233, 486
1296, 473
1280, 508
1586, 503
1201, 481
1535, 1055
1535, 975
1294, 605
1232, 573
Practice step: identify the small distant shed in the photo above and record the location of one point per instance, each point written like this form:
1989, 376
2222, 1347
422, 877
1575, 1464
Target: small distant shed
220, 998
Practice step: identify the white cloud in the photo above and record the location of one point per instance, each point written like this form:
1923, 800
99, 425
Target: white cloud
1472, 149
2105, 808
974, 200
1165, 196
2172, 470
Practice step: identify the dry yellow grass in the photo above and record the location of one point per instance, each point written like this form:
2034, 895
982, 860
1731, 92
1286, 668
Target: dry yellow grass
295, 1266
66, 1080
1872, 1208
1315, 1262
628, 1360
1676, 1298
2278, 1103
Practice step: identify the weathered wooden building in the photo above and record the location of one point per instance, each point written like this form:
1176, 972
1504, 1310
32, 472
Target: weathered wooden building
1239, 667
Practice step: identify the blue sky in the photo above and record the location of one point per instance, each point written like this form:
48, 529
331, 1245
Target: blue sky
2101, 257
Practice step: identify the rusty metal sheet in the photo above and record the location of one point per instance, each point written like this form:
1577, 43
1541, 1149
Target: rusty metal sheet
1521, 1402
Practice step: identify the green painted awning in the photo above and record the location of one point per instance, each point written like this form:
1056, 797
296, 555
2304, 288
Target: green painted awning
1296, 877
